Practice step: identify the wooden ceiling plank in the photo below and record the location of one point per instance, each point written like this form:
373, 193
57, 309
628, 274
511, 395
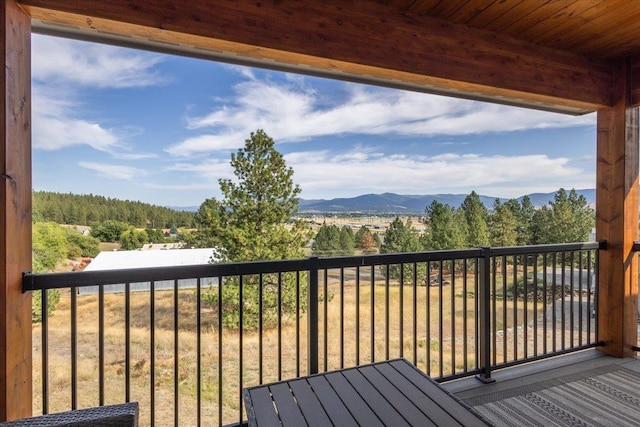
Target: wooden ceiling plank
493, 12
522, 27
445, 9
557, 23
421, 7
514, 14
613, 38
416, 50
586, 19
472, 9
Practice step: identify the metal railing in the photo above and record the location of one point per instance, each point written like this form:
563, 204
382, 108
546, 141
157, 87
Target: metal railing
186, 354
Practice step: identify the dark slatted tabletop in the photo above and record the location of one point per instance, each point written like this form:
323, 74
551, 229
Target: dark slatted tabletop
391, 393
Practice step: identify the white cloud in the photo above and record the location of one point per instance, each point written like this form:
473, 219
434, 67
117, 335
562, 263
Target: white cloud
54, 126
323, 174
65, 61
291, 111
113, 171
61, 70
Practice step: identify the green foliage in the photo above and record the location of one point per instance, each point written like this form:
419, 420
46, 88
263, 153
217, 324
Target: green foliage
254, 221
49, 246
476, 215
155, 235
568, 218
79, 245
503, 226
347, 241
445, 227
109, 230
77, 209
333, 241
531, 289
290, 297
402, 237
327, 241
53, 297
133, 239
365, 240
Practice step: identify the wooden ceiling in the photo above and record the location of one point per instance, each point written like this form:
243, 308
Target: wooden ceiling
594, 28
559, 55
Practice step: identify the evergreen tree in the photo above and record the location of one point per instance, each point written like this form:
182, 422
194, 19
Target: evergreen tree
327, 241
503, 226
568, 218
402, 237
444, 227
347, 240
254, 221
475, 214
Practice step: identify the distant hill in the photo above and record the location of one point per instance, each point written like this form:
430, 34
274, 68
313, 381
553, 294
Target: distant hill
395, 203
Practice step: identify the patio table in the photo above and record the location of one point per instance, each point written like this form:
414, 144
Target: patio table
389, 393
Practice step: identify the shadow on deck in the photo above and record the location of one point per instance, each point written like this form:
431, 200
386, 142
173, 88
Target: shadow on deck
587, 388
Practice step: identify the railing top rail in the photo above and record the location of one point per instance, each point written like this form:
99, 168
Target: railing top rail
538, 249
33, 281
397, 258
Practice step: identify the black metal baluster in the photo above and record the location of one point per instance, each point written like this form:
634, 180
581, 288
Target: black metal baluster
44, 337
415, 313
240, 345
101, 345
74, 348
357, 342
127, 341
373, 316
152, 350
176, 356
325, 340
198, 352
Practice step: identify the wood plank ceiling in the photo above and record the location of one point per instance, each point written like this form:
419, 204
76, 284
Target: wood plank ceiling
557, 55
594, 28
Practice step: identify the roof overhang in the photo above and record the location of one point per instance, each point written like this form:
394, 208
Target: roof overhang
361, 41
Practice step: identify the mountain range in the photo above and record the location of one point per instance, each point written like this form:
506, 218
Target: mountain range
392, 203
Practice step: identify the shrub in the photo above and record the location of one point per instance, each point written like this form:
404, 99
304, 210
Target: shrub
288, 293
53, 297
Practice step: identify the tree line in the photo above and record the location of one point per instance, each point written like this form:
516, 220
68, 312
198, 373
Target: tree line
87, 209
567, 218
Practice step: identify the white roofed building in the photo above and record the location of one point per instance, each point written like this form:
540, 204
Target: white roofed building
116, 260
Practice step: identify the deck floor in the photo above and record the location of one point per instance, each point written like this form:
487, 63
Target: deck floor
586, 388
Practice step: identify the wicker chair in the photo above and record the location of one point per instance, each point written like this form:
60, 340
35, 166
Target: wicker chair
122, 415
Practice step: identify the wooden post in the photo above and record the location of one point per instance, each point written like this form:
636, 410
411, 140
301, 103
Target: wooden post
617, 217
15, 212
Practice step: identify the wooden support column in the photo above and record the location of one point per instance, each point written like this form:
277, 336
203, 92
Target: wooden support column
15, 212
617, 217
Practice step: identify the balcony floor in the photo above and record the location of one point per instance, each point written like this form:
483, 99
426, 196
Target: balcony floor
587, 388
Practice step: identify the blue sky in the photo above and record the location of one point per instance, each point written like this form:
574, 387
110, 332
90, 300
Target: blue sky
160, 129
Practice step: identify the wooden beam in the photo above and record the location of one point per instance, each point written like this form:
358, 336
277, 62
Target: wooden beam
617, 218
635, 81
15, 212
361, 40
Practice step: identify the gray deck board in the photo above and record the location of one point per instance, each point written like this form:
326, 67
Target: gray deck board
587, 388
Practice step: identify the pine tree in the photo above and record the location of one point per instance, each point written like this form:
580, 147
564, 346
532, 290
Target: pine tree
475, 214
254, 221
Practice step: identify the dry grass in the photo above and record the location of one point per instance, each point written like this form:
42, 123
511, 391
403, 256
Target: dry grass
364, 338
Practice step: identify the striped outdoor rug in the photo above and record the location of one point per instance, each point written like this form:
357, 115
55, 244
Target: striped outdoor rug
606, 396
